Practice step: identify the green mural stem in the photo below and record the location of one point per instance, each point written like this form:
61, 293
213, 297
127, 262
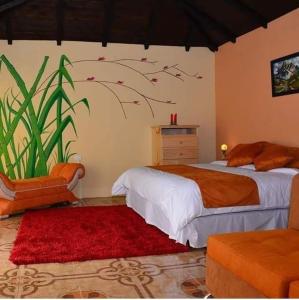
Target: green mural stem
25, 123
49, 84
55, 137
4, 150
59, 120
15, 154
63, 73
1, 167
84, 101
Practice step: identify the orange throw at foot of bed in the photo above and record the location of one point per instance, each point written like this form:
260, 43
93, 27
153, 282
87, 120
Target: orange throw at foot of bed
218, 189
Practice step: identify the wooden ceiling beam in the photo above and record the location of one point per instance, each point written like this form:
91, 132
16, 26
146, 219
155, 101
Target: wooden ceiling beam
8, 4
8, 29
188, 37
231, 36
60, 5
6, 10
108, 18
150, 23
244, 8
210, 43
191, 15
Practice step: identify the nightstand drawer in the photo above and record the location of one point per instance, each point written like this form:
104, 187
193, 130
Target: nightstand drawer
173, 141
179, 153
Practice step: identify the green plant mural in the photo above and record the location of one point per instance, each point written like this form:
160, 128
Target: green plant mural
45, 111
44, 133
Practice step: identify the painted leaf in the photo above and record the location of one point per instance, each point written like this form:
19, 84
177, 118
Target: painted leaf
85, 102
65, 58
57, 133
67, 100
67, 76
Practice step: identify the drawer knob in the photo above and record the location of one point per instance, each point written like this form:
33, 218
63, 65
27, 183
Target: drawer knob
181, 154
181, 142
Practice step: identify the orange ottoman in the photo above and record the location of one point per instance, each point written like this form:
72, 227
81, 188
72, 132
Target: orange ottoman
261, 264
17, 195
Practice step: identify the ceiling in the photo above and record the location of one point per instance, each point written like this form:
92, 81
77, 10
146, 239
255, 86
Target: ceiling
187, 23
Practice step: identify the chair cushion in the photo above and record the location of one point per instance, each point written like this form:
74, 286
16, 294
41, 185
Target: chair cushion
267, 260
39, 186
38, 183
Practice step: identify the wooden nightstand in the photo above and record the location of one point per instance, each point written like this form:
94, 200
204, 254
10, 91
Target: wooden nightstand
175, 144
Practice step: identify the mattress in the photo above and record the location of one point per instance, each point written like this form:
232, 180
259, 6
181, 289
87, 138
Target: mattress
179, 199
198, 230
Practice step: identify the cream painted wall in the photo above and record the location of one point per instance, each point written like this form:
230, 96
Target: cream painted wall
107, 142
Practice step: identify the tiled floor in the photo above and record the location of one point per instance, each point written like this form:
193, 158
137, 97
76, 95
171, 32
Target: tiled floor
163, 276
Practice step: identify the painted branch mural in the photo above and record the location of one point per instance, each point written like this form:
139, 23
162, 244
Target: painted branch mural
44, 111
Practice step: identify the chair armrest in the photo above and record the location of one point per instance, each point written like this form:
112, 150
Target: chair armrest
7, 188
68, 170
72, 172
294, 289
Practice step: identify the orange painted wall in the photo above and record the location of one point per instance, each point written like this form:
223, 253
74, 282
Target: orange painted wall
245, 108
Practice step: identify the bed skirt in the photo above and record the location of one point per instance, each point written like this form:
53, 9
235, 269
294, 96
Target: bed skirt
198, 230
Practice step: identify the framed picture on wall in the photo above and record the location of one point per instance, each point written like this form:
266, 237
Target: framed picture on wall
285, 75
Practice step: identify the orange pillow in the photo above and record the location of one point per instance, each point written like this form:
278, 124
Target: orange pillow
244, 154
294, 152
273, 156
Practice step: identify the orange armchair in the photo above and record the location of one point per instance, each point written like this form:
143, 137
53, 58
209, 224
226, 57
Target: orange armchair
256, 264
18, 195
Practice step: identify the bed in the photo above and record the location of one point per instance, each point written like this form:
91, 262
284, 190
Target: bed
174, 203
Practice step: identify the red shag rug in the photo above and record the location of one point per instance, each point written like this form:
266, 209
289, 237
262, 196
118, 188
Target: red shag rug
86, 233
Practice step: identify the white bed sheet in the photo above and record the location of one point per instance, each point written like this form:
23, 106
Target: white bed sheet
291, 171
179, 198
199, 229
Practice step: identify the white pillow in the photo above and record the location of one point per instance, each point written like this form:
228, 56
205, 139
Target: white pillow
224, 164
219, 162
290, 171
248, 167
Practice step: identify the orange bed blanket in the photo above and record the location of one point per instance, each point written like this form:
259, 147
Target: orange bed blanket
218, 189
